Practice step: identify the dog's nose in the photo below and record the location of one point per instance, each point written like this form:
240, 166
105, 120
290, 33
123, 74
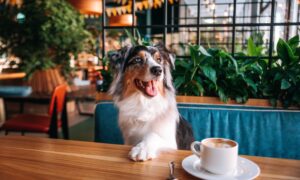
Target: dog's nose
156, 70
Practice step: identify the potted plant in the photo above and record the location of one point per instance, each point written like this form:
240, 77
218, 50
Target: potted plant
214, 72
43, 34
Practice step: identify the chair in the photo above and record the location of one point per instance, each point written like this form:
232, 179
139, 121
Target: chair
43, 123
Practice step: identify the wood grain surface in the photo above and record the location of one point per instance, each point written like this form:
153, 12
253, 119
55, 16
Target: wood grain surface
24, 157
17, 75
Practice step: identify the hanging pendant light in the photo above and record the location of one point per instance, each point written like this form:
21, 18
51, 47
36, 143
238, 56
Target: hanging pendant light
88, 7
121, 20
17, 3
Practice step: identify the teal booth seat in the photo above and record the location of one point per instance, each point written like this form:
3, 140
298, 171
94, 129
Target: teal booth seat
15, 91
259, 131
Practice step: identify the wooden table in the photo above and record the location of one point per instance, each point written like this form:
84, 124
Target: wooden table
16, 75
41, 158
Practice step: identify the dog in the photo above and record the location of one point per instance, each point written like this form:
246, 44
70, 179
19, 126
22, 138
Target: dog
143, 91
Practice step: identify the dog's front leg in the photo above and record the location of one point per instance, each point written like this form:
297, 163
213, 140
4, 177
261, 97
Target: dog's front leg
148, 148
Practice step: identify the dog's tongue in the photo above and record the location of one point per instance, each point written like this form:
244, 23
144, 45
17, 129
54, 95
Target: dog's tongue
150, 89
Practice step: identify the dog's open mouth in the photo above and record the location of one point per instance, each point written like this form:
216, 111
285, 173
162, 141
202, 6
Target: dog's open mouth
148, 88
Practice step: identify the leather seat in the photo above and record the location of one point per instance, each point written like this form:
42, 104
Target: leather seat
29, 123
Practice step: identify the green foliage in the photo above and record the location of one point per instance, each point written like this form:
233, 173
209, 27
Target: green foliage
137, 40
253, 49
282, 81
50, 31
213, 72
106, 74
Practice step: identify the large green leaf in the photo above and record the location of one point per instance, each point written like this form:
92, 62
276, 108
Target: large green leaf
284, 84
182, 63
232, 60
179, 81
252, 84
251, 48
285, 52
294, 42
210, 73
203, 51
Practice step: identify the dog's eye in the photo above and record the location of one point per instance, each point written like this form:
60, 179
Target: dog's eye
138, 60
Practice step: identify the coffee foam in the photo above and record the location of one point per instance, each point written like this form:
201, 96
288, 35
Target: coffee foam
220, 143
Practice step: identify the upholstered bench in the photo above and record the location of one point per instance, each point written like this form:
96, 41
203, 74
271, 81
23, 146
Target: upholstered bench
11, 91
17, 91
259, 131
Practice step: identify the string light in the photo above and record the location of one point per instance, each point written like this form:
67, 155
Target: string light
213, 6
226, 13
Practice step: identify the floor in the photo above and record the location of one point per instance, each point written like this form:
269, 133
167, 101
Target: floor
81, 127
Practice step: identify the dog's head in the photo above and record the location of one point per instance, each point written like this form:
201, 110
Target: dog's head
141, 69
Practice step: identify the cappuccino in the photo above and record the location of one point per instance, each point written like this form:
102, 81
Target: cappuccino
218, 155
220, 143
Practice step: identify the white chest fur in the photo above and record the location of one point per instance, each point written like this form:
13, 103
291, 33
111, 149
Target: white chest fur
140, 116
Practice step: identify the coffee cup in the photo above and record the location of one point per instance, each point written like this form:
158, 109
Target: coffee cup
218, 155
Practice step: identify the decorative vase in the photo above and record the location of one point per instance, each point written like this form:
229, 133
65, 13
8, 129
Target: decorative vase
44, 81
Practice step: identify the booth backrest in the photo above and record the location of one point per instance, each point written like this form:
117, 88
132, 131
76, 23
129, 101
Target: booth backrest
259, 131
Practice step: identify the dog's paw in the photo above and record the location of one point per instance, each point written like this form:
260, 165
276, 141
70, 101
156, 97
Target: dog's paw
141, 152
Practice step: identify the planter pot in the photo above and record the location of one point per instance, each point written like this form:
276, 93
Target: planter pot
217, 101
206, 100
44, 81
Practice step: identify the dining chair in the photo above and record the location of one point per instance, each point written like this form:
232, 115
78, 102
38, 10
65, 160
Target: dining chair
56, 118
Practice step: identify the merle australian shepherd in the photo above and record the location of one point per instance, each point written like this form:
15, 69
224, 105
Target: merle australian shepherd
143, 91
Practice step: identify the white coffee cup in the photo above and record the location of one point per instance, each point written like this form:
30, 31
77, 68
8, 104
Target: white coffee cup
218, 155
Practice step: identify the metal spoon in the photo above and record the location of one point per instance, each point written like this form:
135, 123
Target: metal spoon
172, 167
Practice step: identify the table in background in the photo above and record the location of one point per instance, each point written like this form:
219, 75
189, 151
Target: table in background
14, 75
41, 158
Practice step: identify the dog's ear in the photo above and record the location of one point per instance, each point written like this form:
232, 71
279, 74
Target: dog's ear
170, 57
117, 59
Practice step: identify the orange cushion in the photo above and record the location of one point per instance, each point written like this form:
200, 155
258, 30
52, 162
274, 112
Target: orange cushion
29, 123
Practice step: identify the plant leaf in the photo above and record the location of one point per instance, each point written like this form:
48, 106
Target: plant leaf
182, 63
179, 81
251, 48
252, 84
203, 51
210, 73
132, 39
294, 42
285, 52
285, 84
199, 87
222, 95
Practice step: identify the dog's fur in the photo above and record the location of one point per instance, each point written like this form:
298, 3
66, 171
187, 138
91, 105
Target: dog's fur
143, 91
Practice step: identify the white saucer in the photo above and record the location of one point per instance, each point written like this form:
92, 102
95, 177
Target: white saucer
246, 169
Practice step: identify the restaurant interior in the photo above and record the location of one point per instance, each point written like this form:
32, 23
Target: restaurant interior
74, 102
